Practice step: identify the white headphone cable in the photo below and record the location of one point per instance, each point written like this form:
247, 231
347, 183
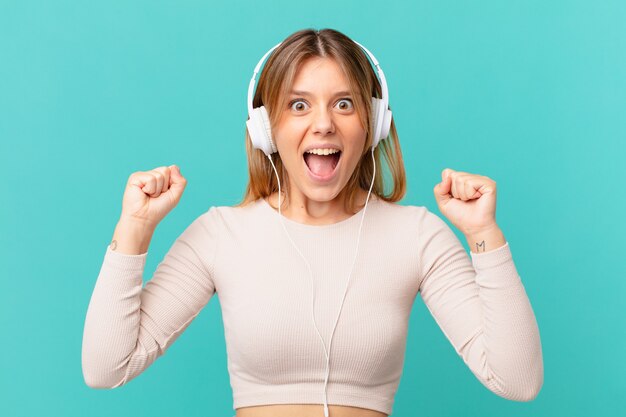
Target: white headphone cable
326, 352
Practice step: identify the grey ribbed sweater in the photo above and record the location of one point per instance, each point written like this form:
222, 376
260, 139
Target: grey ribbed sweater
274, 353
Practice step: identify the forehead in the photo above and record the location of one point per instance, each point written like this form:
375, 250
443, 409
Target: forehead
320, 73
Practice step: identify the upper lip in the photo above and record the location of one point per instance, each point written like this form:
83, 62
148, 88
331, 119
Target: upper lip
321, 146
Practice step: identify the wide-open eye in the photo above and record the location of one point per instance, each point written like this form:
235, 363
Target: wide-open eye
345, 104
298, 105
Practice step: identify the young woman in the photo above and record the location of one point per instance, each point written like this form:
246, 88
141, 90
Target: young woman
317, 261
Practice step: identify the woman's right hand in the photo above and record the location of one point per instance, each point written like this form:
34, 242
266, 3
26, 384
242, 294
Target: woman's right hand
149, 196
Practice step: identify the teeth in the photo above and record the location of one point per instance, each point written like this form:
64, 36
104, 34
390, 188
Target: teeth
322, 151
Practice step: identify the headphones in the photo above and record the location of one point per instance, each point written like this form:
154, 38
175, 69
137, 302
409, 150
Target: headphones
258, 123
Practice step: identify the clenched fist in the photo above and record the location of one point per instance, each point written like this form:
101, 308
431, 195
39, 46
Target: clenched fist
467, 200
149, 196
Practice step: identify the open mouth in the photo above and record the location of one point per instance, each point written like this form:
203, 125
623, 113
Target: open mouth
322, 166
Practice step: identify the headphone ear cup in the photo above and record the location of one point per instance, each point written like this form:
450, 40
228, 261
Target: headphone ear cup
260, 132
267, 129
386, 124
381, 120
376, 120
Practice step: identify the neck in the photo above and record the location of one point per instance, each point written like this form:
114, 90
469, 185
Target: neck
309, 211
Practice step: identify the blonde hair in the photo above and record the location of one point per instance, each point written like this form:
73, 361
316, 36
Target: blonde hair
277, 78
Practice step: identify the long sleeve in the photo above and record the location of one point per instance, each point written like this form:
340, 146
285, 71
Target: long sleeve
482, 308
128, 327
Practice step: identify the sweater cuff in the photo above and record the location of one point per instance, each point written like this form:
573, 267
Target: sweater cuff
496, 269
492, 258
125, 261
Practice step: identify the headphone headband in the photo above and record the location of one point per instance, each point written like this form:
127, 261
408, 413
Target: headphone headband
252, 81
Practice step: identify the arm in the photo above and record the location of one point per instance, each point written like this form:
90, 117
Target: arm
128, 327
482, 308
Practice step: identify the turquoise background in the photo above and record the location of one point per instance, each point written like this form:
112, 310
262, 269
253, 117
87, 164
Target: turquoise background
529, 93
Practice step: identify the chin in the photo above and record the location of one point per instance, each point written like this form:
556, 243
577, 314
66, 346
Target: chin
320, 193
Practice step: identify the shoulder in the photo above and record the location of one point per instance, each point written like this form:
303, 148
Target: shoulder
232, 218
224, 212
418, 219
404, 212
237, 212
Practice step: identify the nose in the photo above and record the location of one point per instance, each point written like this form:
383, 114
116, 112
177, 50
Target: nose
323, 121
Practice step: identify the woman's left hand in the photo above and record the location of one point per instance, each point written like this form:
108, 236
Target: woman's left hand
467, 200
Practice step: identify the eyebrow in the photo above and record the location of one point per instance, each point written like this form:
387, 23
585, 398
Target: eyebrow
308, 93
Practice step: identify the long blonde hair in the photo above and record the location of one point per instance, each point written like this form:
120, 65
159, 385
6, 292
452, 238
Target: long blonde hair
279, 71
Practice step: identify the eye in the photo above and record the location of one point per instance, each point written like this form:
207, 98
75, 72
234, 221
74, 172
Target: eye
345, 104
298, 105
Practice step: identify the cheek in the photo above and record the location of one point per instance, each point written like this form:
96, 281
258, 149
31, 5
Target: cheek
352, 130
356, 137
290, 127
288, 136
